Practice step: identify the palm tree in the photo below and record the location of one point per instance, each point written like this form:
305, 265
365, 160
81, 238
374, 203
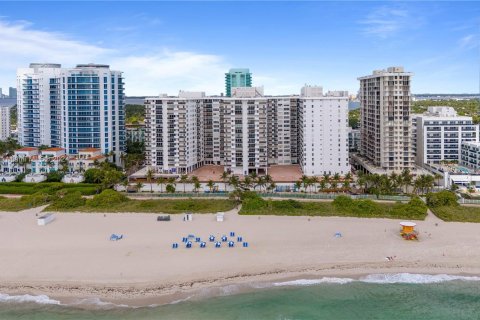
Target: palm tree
161, 181
139, 186
336, 177
184, 180
210, 185
362, 181
298, 185
261, 183
234, 181
313, 182
225, 178
253, 178
304, 179
348, 176
196, 185
64, 164
323, 185
406, 179
346, 185
247, 182
172, 181
150, 175
438, 177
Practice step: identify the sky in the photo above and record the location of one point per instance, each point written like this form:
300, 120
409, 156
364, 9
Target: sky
164, 47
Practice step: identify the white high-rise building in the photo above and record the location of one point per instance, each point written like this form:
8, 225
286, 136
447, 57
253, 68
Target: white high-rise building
386, 133
248, 133
440, 133
4, 122
72, 108
323, 132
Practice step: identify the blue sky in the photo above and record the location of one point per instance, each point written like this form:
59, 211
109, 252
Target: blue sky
163, 47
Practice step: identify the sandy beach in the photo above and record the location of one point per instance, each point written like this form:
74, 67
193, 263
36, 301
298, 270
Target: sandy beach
73, 258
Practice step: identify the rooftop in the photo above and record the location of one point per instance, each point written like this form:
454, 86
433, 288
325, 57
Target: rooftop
27, 149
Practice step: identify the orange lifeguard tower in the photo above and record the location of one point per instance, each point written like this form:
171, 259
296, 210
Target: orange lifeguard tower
408, 230
407, 226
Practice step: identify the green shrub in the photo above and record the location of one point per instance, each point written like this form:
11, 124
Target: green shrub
72, 199
343, 202
54, 176
441, 199
38, 199
170, 188
107, 198
20, 177
252, 204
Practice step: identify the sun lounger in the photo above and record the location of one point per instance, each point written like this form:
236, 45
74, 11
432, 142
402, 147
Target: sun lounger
231, 244
239, 239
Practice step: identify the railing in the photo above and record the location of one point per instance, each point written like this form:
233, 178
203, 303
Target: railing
468, 201
324, 196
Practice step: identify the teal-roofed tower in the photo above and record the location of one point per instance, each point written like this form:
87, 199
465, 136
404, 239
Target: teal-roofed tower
239, 77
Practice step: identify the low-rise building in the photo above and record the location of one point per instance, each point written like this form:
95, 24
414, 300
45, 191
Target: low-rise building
439, 134
471, 155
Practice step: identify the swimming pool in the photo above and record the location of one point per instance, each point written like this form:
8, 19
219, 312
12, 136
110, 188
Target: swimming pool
464, 170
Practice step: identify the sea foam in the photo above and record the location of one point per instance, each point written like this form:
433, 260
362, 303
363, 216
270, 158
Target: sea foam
414, 278
40, 299
311, 282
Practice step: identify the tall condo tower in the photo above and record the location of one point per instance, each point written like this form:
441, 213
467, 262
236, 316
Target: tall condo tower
386, 133
237, 78
72, 108
4, 122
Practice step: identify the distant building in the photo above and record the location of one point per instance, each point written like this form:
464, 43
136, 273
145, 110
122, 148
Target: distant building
237, 78
135, 132
12, 93
353, 139
439, 134
4, 123
72, 108
386, 134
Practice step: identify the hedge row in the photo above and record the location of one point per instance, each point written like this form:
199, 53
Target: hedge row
46, 187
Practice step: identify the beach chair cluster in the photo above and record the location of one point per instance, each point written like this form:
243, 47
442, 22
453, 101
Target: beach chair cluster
218, 242
116, 237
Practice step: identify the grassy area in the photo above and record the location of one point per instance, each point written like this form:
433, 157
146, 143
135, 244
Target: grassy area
458, 213
156, 206
23, 203
47, 187
341, 208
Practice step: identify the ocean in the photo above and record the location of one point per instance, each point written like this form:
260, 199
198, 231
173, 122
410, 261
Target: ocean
394, 296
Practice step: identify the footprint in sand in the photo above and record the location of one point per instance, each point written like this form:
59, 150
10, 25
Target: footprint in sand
128, 254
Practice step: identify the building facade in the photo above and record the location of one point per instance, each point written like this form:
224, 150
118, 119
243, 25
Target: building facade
247, 134
12, 93
470, 154
386, 134
239, 77
4, 123
440, 133
72, 108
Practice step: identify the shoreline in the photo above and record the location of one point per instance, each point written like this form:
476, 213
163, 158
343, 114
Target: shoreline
137, 295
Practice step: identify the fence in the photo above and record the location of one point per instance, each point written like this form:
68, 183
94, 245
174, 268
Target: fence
320, 196
468, 201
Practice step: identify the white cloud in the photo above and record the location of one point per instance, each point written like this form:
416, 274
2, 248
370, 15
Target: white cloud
469, 41
167, 71
147, 73
386, 21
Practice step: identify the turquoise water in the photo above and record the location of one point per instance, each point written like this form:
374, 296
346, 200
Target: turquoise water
351, 300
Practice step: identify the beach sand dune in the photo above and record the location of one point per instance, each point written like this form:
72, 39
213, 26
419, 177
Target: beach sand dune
73, 255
